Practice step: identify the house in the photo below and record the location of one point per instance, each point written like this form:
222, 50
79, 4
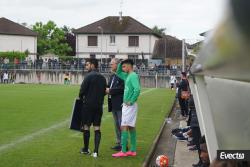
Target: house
169, 50
15, 37
115, 36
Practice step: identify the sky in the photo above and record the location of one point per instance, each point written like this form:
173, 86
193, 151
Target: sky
184, 19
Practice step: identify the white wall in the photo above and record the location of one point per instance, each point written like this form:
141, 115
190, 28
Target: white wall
18, 43
120, 48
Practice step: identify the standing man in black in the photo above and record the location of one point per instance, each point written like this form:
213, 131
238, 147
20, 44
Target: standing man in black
115, 90
183, 86
92, 93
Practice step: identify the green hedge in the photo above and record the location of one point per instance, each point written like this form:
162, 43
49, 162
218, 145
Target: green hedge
13, 54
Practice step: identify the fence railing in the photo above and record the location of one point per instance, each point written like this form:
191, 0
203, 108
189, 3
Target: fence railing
80, 67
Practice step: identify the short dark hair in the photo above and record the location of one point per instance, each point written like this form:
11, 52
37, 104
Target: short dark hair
128, 61
203, 145
202, 140
93, 61
184, 74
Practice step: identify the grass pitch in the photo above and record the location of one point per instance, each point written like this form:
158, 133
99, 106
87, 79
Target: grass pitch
34, 130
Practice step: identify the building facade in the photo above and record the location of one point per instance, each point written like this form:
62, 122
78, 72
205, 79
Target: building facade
169, 50
120, 37
15, 37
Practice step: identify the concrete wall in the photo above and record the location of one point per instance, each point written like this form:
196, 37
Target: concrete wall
57, 77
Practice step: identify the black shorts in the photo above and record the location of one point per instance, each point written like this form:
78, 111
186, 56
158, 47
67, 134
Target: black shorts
92, 116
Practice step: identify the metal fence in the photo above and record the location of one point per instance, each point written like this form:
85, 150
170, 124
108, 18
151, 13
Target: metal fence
65, 66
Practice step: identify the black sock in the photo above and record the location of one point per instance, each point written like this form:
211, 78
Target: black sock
97, 140
86, 136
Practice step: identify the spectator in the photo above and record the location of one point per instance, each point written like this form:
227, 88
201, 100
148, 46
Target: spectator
16, 63
6, 63
5, 77
40, 63
13, 77
172, 81
49, 63
183, 86
55, 64
29, 63
66, 78
1, 76
115, 90
194, 126
203, 154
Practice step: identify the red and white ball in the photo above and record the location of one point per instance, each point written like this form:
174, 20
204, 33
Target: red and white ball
162, 161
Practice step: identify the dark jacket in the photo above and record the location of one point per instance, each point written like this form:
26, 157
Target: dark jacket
93, 89
193, 119
183, 86
115, 93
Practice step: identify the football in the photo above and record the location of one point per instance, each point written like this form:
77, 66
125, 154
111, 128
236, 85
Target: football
162, 161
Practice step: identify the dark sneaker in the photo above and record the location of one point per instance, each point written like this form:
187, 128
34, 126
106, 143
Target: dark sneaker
178, 134
116, 148
190, 144
181, 138
175, 131
194, 148
84, 151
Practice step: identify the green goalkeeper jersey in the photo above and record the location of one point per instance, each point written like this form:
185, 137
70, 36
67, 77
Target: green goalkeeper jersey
132, 85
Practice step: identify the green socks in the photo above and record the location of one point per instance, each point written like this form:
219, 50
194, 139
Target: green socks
133, 140
124, 141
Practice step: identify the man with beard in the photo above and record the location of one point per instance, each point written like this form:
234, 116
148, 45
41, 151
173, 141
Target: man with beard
92, 93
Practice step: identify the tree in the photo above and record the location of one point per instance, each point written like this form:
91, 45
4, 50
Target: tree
51, 39
66, 29
159, 31
70, 39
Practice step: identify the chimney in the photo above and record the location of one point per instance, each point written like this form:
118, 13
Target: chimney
120, 18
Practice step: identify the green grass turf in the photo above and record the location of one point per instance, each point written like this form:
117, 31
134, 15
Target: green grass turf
29, 109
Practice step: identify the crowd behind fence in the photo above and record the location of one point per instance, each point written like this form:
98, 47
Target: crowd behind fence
74, 65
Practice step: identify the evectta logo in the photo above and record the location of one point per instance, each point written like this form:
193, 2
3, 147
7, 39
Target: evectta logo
241, 155
231, 156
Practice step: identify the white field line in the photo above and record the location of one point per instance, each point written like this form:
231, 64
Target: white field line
45, 130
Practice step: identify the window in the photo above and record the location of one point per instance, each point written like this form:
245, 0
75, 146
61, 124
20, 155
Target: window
92, 40
132, 57
112, 39
111, 56
92, 56
133, 41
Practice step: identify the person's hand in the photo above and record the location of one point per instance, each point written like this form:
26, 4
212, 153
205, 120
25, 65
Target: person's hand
128, 103
107, 90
